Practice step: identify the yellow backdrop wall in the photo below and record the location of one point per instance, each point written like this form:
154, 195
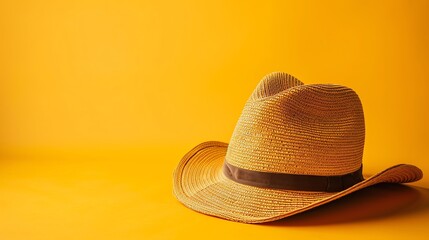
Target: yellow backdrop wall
79, 77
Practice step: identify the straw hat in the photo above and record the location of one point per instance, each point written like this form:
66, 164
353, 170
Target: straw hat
295, 147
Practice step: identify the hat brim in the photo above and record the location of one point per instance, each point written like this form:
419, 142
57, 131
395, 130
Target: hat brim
200, 184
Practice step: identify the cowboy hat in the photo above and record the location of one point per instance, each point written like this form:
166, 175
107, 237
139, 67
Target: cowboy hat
294, 147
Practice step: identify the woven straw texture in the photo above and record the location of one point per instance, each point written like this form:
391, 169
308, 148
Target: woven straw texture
285, 127
300, 129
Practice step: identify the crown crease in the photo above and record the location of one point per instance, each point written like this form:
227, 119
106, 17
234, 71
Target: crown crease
274, 83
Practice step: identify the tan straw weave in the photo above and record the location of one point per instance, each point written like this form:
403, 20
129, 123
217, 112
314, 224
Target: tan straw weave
286, 128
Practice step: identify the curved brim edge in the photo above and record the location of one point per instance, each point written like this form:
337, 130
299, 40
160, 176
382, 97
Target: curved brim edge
200, 185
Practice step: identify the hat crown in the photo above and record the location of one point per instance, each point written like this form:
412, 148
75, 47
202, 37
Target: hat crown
288, 127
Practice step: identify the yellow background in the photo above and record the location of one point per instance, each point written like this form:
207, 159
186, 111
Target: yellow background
99, 100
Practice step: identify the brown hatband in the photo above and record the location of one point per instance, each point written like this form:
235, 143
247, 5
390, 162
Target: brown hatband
295, 182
